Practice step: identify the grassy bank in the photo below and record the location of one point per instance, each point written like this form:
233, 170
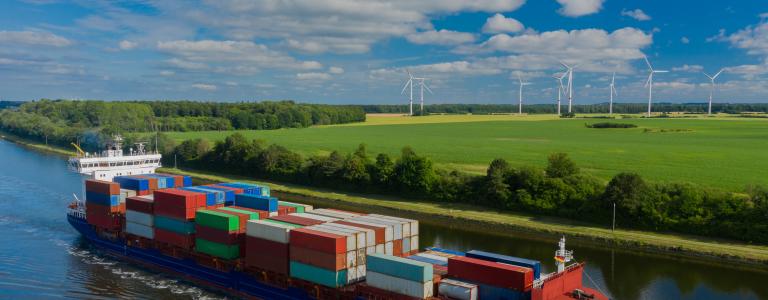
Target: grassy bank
507, 222
36, 145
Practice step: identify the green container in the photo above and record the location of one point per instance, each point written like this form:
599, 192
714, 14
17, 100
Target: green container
283, 223
399, 267
174, 225
319, 275
215, 249
253, 215
218, 220
299, 208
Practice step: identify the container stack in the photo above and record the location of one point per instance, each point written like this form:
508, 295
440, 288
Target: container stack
174, 216
219, 231
459, 290
410, 241
494, 280
102, 204
139, 216
229, 193
213, 197
257, 202
320, 255
534, 265
399, 275
267, 244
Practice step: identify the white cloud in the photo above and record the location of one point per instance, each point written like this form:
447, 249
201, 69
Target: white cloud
441, 37
578, 8
637, 14
39, 38
127, 45
167, 73
500, 24
230, 56
688, 68
674, 85
205, 87
754, 39
685, 40
313, 76
336, 70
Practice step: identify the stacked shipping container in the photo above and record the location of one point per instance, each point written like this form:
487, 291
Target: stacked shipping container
139, 216
399, 275
102, 204
267, 245
174, 216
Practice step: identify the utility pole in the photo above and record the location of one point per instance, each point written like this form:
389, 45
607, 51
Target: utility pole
613, 227
175, 166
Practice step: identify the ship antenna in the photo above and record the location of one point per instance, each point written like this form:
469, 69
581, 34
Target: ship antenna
562, 256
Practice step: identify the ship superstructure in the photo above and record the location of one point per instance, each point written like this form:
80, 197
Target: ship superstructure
112, 162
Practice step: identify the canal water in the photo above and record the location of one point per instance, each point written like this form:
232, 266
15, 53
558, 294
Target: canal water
42, 257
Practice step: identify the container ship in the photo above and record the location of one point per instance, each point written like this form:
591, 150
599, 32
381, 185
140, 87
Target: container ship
237, 239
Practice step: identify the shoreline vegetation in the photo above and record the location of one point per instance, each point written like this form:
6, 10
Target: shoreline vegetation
466, 215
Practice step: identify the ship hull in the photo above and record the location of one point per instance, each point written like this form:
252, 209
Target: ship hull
233, 282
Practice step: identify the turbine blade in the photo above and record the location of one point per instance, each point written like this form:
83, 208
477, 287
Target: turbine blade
649, 79
647, 62
710, 77
661, 71
406, 86
718, 73
428, 89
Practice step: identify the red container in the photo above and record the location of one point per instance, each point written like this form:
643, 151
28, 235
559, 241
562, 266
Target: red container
491, 273
236, 190
316, 258
266, 254
320, 241
175, 239
263, 214
397, 247
144, 193
218, 235
102, 187
297, 220
102, 217
98, 209
140, 204
177, 212
178, 203
243, 218
379, 231
285, 210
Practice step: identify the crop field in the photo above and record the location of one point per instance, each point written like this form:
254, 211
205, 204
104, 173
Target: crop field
722, 152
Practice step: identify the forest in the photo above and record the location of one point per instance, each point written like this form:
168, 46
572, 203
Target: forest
560, 189
63, 121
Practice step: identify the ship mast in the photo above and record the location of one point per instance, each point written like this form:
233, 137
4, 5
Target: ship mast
562, 256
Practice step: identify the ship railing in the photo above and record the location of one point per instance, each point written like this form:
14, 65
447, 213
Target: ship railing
538, 283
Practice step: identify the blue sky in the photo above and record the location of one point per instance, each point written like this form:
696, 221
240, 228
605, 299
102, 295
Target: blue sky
344, 51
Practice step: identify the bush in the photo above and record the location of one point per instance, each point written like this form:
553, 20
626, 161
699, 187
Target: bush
610, 125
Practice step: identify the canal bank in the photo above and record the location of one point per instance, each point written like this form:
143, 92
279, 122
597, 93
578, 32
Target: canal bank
488, 220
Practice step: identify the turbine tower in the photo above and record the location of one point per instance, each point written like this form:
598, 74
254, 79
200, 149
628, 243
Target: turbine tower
570, 84
649, 83
423, 86
612, 92
560, 89
712, 89
520, 102
409, 83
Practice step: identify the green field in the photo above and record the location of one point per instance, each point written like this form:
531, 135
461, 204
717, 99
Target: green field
722, 152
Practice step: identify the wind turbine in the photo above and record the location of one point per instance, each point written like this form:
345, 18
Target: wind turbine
423, 86
712, 89
560, 89
520, 102
649, 83
612, 92
570, 84
409, 83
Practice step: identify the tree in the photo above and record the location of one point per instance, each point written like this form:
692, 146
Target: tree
413, 173
496, 190
354, 171
560, 165
382, 170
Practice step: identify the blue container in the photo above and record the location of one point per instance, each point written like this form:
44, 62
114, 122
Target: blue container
220, 195
210, 196
318, 275
510, 260
256, 202
427, 260
399, 267
187, 180
163, 181
175, 225
101, 199
248, 188
446, 251
229, 195
131, 183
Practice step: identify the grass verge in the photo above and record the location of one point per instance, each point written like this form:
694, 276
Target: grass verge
35, 145
508, 222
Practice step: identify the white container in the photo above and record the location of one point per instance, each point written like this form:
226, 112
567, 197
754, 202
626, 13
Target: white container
414, 224
315, 217
388, 230
406, 245
351, 238
397, 227
458, 290
399, 285
307, 207
370, 250
381, 248
269, 231
433, 257
414, 242
370, 235
139, 218
389, 248
273, 214
140, 230
333, 213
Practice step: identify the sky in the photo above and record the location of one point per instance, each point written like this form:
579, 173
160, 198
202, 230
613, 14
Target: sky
358, 52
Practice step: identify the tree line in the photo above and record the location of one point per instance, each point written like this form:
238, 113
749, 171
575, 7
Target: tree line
618, 108
560, 189
64, 121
